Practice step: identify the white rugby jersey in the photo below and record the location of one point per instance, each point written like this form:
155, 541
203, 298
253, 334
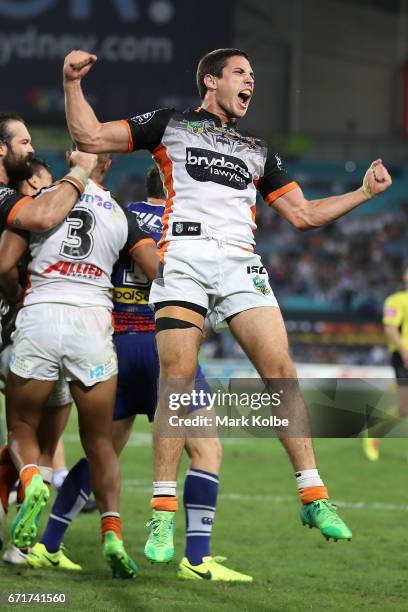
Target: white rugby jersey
72, 263
211, 172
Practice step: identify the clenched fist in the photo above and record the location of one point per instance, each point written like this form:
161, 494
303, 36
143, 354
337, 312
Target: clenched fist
77, 64
376, 179
86, 161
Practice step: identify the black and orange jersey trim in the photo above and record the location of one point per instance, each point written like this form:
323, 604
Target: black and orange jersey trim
211, 171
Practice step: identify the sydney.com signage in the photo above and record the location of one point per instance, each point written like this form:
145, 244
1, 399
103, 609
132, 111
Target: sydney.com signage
147, 51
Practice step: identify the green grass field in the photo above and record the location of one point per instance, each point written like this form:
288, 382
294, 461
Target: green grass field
257, 527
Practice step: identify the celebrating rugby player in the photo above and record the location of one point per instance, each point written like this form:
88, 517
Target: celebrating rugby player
211, 171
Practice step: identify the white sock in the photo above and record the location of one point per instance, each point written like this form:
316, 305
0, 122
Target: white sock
46, 473
164, 488
308, 478
58, 477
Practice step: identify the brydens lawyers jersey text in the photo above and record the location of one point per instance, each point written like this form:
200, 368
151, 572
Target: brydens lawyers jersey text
210, 170
131, 287
72, 263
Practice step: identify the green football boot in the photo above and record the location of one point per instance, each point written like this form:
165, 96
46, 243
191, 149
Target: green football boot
323, 515
159, 547
121, 564
25, 526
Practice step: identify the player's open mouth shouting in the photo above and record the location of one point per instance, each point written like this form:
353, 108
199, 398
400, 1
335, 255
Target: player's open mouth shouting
244, 98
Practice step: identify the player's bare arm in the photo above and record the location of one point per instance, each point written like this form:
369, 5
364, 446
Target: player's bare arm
86, 130
10, 287
12, 248
310, 214
45, 211
145, 255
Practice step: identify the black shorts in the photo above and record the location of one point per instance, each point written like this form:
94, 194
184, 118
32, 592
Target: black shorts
401, 372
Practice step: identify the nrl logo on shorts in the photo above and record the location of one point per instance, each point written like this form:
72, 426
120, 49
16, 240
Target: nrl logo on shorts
195, 127
178, 228
260, 285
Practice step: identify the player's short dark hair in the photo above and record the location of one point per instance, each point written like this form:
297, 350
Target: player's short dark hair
5, 132
213, 63
154, 184
38, 164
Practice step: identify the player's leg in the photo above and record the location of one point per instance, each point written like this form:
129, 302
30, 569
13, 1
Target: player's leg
121, 431
51, 426
95, 411
136, 391
60, 400
262, 335
178, 350
371, 446
8, 471
200, 501
50, 430
370, 442
59, 466
71, 498
89, 364
72, 494
48, 552
76, 488
8, 478
180, 294
25, 399
34, 369
95, 407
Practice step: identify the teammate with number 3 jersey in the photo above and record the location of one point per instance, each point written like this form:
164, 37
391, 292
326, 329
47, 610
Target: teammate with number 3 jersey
65, 328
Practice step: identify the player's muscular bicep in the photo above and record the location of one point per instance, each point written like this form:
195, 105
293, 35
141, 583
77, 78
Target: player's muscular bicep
111, 137
292, 206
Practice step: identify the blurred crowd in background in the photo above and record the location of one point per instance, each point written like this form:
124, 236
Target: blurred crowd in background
346, 269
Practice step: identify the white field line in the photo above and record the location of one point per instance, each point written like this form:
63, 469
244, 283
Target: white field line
145, 439
142, 486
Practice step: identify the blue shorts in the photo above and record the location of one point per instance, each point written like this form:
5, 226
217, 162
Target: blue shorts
138, 365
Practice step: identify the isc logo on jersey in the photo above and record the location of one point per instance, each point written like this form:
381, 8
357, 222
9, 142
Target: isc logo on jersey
204, 165
130, 296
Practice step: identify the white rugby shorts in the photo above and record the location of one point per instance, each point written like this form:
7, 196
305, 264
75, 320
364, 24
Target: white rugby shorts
223, 278
59, 396
57, 339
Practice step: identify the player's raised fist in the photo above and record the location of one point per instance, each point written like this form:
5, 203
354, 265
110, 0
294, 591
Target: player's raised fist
77, 64
377, 179
86, 161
